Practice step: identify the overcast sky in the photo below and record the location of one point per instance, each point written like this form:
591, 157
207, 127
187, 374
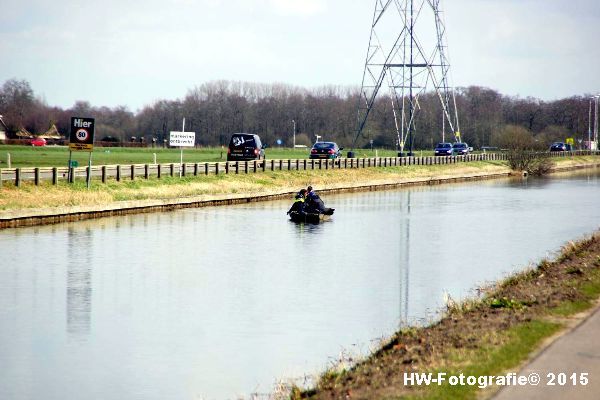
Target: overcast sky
132, 53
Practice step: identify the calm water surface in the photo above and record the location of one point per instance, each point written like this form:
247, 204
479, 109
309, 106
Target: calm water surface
222, 302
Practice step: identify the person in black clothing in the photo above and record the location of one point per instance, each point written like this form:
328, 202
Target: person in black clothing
315, 204
299, 205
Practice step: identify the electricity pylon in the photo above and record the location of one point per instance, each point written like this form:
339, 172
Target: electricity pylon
407, 62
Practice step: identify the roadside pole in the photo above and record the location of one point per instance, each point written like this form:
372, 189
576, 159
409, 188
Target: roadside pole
69, 166
181, 150
89, 171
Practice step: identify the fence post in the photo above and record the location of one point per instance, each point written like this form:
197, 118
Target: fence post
289, 167
71, 174
132, 167
237, 167
36, 176
226, 167
146, 171
54, 176
272, 165
18, 177
118, 177
216, 168
254, 166
158, 171
264, 165
103, 169
172, 169
195, 169
281, 165
206, 168
245, 167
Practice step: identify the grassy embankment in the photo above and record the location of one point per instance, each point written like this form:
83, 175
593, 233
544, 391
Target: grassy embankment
63, 194
58, 156
46, 196
487, 336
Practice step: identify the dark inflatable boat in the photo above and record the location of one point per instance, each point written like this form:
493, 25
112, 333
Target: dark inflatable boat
311, 217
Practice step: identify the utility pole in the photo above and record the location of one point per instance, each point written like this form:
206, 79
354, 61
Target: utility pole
590, 126
411, 104
596, 120
406, 58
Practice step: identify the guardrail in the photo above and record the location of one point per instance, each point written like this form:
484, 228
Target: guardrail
121, 172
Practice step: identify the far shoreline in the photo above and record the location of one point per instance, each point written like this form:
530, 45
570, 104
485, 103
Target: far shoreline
22, 217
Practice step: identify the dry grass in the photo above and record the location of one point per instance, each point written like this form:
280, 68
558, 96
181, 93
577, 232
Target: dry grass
29, 196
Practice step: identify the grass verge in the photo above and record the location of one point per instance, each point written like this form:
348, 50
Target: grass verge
58, 156
491, 335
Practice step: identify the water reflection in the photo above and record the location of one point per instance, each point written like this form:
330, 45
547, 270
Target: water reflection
404, 270
79, 281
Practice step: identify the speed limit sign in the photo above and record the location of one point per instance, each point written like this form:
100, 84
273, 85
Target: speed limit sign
82, 134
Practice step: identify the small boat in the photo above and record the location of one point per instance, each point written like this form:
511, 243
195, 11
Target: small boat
311, 218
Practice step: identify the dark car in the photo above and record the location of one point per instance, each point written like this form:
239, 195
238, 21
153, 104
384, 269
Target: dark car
558, 146
244, 147
461, 149
443, 149
326, 150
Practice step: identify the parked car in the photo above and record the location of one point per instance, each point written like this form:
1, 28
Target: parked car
244, 147
558, 146
38, 142
326, 150
460, 149
443, 149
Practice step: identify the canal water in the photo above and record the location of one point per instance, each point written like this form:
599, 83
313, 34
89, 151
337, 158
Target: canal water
223, 302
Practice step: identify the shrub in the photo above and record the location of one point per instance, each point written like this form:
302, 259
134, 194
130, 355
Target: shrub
524, 153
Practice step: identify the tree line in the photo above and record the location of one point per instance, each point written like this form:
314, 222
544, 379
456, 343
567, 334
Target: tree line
217, 109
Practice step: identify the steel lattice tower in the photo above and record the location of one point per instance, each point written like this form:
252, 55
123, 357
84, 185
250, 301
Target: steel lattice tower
407, 63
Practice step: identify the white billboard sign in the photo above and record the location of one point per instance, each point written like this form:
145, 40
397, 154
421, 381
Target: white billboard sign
182, 139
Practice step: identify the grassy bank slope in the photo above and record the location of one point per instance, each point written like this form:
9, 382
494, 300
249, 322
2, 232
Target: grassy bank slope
487, 336
29, 196
46, 195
